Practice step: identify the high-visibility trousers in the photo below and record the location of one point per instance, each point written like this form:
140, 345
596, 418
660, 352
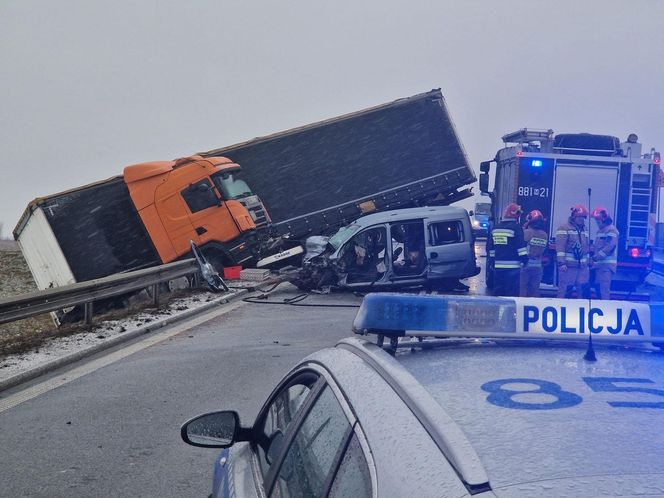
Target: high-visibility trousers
576, 276
531, 277
603, 276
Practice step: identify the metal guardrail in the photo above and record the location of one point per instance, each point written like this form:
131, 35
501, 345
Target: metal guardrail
86, 293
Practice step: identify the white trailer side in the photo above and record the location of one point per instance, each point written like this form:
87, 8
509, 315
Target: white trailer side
41, 250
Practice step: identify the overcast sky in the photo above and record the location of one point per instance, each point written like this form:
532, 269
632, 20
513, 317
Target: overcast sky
88, 87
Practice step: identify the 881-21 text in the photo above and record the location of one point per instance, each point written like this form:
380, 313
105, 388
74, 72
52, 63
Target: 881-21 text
534, 191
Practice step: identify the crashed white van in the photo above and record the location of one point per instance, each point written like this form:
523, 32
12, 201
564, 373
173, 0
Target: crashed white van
426, 246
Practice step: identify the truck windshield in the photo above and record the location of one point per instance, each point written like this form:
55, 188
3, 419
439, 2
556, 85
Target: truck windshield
342, 235
484, 209
230, 186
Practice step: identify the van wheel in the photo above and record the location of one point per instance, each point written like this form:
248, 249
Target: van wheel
308, 280
304, 280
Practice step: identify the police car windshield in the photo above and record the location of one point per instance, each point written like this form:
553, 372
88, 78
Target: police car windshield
538, 413
342, 235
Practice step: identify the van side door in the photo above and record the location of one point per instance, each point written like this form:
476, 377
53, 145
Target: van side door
450, 249
408, 247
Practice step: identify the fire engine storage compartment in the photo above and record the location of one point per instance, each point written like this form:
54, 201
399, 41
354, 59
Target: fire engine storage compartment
603, 182
61, 246
317, 177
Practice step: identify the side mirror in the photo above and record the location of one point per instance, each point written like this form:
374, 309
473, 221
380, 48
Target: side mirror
471, 213
211, 430
484, 183
485, 166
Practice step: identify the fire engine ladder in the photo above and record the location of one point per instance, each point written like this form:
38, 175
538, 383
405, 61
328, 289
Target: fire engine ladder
639, 203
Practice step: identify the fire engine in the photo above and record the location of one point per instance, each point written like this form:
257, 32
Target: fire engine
550, 172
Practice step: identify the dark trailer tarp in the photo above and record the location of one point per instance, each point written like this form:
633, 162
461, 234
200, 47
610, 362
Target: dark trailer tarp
400, 154
97, 229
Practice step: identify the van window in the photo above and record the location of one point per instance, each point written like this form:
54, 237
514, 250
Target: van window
364, 256
199, 196
446, 232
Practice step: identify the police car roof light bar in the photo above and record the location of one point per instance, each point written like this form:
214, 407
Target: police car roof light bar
398, 315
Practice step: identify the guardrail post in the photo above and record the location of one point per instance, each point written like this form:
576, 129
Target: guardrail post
155, 295
87, 313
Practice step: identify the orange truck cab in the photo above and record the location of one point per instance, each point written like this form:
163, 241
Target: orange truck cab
199, 199
143, 218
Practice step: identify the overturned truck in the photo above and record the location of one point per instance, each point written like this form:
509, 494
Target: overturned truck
316, 178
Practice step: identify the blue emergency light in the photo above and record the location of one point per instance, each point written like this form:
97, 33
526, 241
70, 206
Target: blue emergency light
536, 163
396, 315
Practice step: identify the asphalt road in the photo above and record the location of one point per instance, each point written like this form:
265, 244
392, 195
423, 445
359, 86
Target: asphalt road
110, 426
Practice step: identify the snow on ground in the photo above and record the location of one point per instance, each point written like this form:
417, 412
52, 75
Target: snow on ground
57, 348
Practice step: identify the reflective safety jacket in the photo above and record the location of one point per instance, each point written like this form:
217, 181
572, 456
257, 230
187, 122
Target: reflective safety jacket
604, 247
536, 240
572, 245
506, 245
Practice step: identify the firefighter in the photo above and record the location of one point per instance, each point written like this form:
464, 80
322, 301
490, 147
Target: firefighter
508, 251
536, 240
603, 251
572, 252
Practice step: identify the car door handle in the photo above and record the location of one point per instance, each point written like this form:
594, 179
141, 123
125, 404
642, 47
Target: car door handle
200, 230
434, 254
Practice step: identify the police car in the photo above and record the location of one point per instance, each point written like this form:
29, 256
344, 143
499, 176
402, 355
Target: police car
460, 396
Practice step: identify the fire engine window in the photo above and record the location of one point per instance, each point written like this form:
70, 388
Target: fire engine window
445, 232
200, 195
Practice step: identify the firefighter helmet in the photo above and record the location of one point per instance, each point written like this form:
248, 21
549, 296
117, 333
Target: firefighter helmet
534, 215
512, 210
600, 213
578, 210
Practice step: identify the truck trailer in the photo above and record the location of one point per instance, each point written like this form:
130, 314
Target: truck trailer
146, 217
316, 178
538, 169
